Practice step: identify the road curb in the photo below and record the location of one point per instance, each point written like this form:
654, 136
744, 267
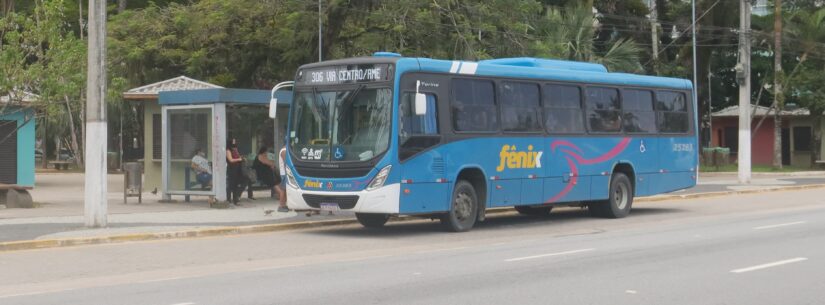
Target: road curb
726, 193
234, 230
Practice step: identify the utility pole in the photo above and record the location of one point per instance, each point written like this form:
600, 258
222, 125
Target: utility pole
320, 25
778, 94
654, 36
743, 76
95, 176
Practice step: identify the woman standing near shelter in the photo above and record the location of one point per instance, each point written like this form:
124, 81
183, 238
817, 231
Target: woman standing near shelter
234, 174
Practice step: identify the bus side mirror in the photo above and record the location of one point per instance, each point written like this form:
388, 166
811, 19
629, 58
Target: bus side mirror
420, 104
420, 100
273, 108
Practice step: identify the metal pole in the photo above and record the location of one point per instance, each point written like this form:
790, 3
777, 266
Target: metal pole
744, 153
654, 36
695, 79
320, 25
95, 205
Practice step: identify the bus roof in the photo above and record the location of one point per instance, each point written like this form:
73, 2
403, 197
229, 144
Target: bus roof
520, 67
546, 69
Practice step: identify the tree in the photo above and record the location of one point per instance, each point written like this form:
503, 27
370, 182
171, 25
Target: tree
778, 94
571, 34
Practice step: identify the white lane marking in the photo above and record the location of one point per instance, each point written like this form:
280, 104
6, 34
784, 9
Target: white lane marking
439, 250
547, 255
779, 225
630, 291
768, 265
454, 67
187, 303
161, 280
468, 68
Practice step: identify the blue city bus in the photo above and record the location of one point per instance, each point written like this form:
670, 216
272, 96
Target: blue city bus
389, 135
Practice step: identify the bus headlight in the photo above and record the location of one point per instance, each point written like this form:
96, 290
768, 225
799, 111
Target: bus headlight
379, 179
290, 179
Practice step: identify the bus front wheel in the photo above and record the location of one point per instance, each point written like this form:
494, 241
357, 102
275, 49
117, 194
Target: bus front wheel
619, 201
463, 208
372, 220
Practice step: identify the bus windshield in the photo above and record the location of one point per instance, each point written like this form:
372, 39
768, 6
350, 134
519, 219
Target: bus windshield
337, 126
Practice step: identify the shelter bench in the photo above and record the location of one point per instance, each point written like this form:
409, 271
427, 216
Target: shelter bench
58, 165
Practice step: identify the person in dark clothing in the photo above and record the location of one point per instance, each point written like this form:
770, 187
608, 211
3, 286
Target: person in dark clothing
235, 181
265, 170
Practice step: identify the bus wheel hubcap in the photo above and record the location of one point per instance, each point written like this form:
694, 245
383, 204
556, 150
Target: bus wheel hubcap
463, 205
620, 196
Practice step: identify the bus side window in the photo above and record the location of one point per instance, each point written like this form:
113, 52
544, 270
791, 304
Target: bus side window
417, 132
473, 106
412, 124
603, 114
638, 115
671, 112
520, 107
562, 109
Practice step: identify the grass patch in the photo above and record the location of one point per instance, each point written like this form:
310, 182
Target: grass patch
755, 168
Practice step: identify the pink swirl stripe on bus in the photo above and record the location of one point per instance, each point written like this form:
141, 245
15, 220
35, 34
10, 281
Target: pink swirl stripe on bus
612, 153
574, 176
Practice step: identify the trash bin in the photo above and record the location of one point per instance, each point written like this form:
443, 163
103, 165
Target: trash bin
716, 156
132, 181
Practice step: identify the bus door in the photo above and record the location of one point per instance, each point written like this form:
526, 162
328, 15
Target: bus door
424, 180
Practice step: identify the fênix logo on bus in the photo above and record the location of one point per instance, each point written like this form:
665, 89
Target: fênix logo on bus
512, 158
313, 184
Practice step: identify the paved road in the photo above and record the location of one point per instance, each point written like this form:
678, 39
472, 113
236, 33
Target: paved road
62, 216
764, 248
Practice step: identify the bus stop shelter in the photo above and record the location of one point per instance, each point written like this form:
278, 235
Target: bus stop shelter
203, 120
17, 141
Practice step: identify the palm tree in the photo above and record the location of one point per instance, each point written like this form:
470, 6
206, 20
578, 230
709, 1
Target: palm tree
808, 30
571, 34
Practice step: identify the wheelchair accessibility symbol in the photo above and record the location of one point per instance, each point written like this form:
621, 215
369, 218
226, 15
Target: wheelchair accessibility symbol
339, 153
642, 148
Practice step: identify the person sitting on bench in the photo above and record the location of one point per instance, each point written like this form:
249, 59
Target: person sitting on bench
203, 172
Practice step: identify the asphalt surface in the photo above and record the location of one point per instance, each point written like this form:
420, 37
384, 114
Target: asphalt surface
16, 229
766, 248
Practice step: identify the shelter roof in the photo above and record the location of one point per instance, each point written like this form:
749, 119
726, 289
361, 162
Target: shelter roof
24, 98
733, 111
230, 96
151, 91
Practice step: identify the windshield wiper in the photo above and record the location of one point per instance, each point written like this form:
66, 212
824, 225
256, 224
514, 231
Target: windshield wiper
347, 101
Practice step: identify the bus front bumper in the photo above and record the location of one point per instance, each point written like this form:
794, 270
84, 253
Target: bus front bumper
384, 200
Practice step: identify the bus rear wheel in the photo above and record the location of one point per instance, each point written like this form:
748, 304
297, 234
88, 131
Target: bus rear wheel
372, 220
463, 208
619, 201
533, 210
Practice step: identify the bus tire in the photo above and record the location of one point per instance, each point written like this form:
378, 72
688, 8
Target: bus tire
372, 220
619, 201
463, 208
533, 210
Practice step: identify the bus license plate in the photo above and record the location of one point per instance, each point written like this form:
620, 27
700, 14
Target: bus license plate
326, 206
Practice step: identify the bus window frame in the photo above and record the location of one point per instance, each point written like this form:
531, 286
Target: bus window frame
453, 128
688, 110
586, 105
652, 109
498, 82
582, 109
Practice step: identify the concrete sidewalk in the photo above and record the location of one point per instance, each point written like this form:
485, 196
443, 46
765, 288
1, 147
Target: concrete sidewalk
60, 214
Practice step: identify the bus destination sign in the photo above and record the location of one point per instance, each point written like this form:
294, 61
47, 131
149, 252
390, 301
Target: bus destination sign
349, 74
